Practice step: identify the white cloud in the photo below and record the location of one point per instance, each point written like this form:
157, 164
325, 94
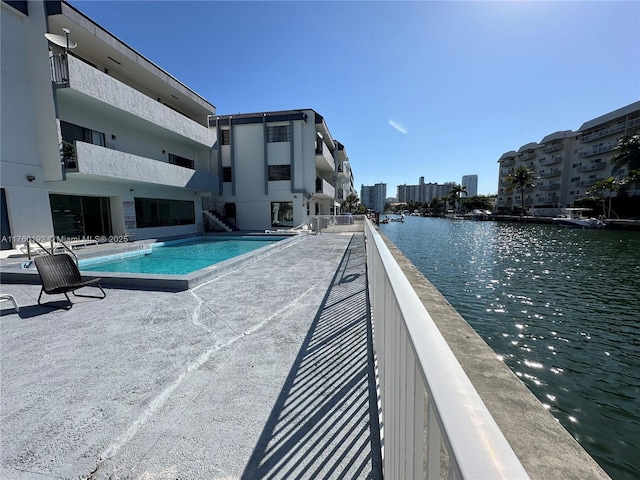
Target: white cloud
398, 126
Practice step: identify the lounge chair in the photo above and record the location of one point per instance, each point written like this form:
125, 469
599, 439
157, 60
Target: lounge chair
6, 296
60, 274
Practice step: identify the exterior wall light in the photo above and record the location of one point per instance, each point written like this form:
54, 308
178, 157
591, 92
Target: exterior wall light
30, 178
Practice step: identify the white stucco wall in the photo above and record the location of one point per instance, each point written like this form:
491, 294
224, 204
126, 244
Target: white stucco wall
29, 214
28, 127
100, 86
125, 167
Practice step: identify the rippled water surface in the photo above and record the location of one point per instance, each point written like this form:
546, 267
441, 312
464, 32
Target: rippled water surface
560, 306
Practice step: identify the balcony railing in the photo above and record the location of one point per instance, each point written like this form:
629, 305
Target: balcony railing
419, 377
72, 72
587, 183
596, 151
325, 188
547, 200
101, 162
551, 186
59, 70
527, 156
551, 148
550, 174
602, 133
324, 159
550, 161
592, 167
508, 162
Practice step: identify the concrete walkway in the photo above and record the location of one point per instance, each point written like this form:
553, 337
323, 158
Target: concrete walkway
264, 372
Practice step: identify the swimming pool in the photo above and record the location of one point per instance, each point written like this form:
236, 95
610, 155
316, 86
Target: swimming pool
178, 257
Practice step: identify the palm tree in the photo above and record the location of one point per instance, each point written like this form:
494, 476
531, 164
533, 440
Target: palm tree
436, 206
351, 203
522, 178
627, 152
456, 192
608, 185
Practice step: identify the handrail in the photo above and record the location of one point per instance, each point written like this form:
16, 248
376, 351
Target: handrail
59, 243
30, 239
66, 247
420, 378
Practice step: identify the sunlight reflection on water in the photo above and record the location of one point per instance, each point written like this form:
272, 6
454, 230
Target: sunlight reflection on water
559, 306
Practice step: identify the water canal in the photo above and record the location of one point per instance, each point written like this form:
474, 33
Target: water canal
560, 306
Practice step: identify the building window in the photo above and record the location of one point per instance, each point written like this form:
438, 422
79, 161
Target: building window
181, 161
226, 174
280, 133
71, 133
282, 214
279, 172
156, 212
226, 137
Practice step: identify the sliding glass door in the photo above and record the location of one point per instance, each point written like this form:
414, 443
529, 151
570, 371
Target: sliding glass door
80, 216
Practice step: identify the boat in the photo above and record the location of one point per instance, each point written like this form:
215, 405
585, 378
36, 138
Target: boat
573, 218
452, 215
477, 214
393, 218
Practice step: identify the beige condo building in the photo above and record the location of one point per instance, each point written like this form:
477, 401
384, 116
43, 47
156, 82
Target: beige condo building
568, 163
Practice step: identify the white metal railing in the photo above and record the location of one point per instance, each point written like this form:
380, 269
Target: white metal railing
338, 223
421, 382
59, 69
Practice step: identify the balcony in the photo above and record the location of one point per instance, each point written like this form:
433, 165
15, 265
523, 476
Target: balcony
78, 81
547, 200
324, 159
551, 148
324, 189
588, 183
550, 161
548, 187
527, 156
603, 133
592, 167
596, 151
93, 161
508, 162
551, 174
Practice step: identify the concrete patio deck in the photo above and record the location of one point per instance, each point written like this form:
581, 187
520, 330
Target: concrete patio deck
264, 372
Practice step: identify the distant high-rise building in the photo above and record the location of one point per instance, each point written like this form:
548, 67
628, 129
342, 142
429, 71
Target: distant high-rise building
471, 182
373, 197
424, 192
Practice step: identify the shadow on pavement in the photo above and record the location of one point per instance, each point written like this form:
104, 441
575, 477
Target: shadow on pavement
322, 424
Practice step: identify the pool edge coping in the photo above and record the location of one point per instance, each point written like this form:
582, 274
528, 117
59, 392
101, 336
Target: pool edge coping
162, 282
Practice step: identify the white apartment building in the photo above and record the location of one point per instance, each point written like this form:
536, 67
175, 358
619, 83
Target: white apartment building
470, 182
96, 140
424, 192
568, 163
278, 169
373, 196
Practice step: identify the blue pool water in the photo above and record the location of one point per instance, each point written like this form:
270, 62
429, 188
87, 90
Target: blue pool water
180, 258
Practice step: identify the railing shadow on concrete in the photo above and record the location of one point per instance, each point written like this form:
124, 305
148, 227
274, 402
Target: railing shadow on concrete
325, 421
433, 421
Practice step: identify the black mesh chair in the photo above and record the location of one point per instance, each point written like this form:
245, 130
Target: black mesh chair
60, 274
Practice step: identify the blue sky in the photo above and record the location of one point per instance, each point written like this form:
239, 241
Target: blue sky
424, 88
